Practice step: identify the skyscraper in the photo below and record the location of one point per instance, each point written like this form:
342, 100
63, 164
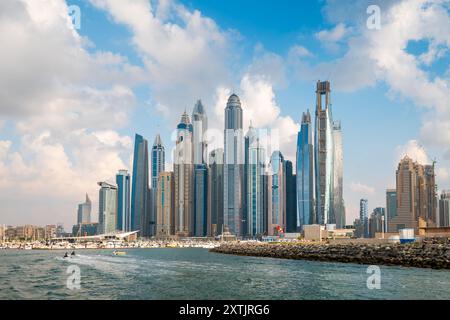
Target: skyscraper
233, 167
158, 160
291, 198
444, 209
140, 188
255, 172
323, 150
305, 174
107, 209
391, 205
376, 221
200, 125
276, 194
215, 193
364, 216
158, 166
123, 201
338, 170
165, 221
184, 179
84, 211
415, 195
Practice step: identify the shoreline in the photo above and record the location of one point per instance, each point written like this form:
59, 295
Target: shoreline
434, 256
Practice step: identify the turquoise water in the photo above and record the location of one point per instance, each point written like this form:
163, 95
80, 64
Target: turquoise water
199, 274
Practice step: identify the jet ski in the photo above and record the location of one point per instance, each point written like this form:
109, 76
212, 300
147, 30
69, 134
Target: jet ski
66, 255
73, 253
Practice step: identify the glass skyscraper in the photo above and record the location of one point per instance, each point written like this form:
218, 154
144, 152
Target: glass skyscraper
338, 169
107, 209
305, 174
364, 216
158, 165
277, 194
255, 173
84, 211
140, 188
215, 193
200, 125
323, 151
184, 179
123, 201
291, 198
233, 167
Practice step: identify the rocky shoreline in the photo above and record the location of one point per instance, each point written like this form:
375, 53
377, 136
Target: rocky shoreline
419, 255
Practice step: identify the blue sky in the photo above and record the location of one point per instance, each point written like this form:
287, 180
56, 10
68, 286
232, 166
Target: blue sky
269, 52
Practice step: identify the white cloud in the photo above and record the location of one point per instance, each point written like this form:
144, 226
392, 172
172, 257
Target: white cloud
338, 33
65, 105
361, 189
413, 150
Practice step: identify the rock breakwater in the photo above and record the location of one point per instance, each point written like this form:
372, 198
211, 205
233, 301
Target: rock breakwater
436, 256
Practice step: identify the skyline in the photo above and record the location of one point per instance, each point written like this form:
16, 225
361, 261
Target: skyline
82, 130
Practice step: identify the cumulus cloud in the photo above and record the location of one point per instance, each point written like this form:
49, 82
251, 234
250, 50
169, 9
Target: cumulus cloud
65, 104
413, 150
362, 189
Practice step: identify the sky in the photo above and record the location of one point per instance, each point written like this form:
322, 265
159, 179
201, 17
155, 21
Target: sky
72, 96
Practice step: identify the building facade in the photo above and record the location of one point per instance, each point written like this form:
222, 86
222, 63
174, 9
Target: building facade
291, 198
200, 126
184, 179
276, 195
140, 206
107, 209
215, 193
84, 211
123, 182
391, 204
444, 209
233, 196
338, 179
323, 152
364, 217
165, 220
255, 188
158, 165
305, 174
416, 199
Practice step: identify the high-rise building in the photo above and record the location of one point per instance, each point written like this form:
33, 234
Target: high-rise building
107, 208
215, 193
277, 194
123, 201
364, 216
158, 165
140, 206
200, 200
255, 172
165, 221
200, 125
415, 195
158, 160
323, 150
338, 170
376, 222
391, 204
184, 179
305, 174
430, 213
444, 209
291, 198
233, 167
84, 211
